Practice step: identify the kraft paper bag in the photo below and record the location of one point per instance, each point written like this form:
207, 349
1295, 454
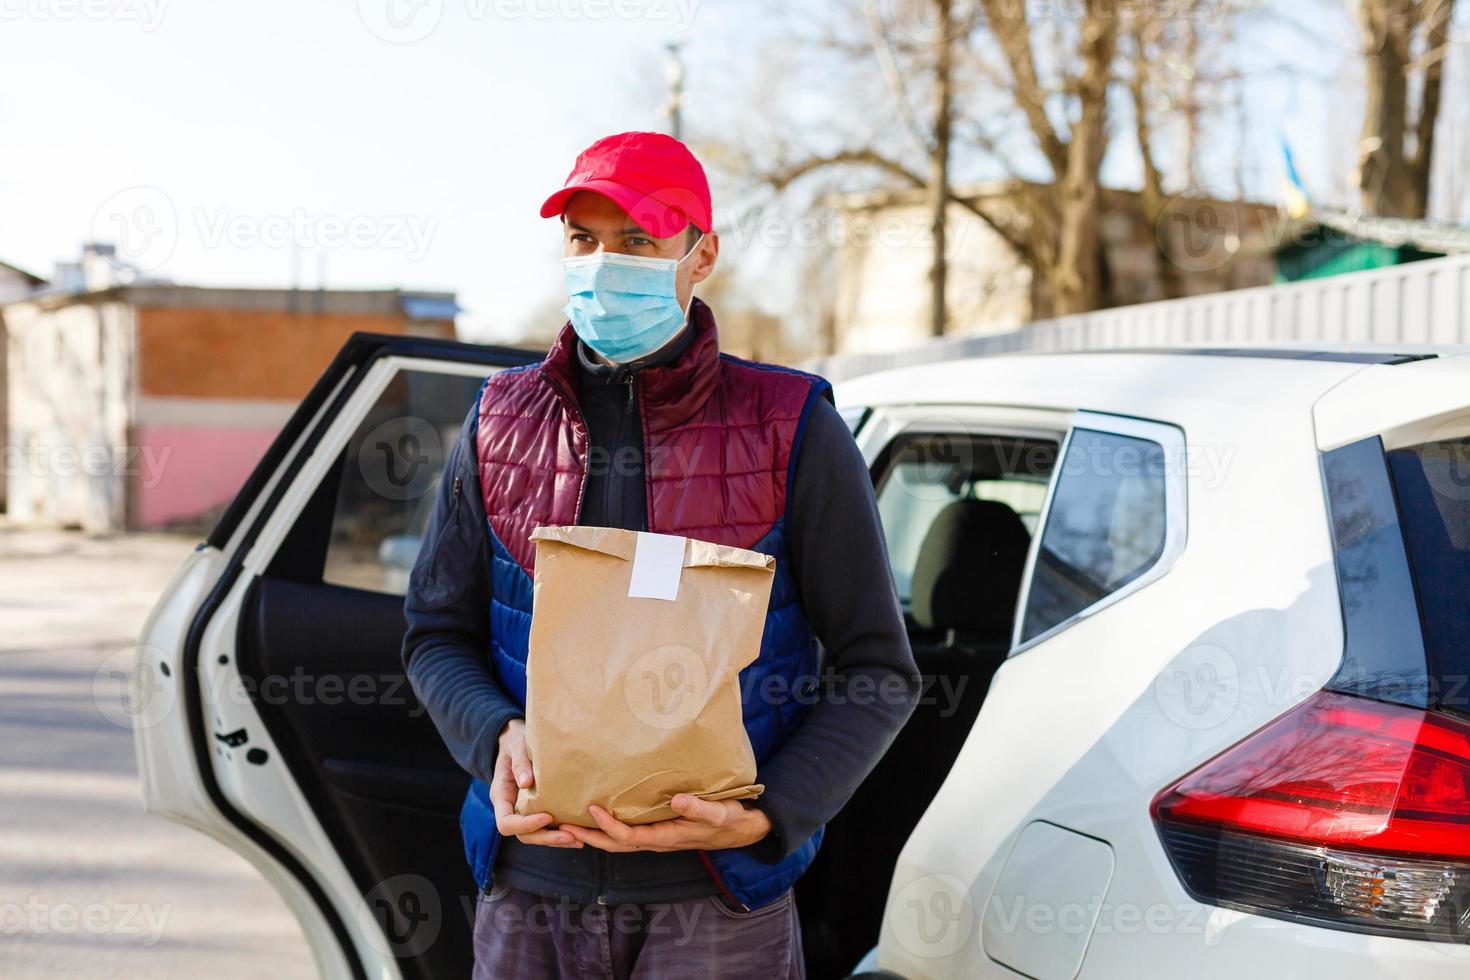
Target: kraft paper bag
632, 686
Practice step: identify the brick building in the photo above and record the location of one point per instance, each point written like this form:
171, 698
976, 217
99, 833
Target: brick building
146, 405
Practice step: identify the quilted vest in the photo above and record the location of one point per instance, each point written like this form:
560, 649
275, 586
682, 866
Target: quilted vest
720, 438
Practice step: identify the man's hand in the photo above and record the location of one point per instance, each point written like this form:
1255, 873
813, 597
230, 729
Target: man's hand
700, 825
512, 773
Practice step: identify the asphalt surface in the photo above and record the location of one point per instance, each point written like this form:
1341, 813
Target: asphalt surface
91, 886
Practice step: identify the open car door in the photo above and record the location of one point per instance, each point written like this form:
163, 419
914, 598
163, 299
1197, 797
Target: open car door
271, 709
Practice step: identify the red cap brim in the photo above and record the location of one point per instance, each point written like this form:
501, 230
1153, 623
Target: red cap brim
648, 212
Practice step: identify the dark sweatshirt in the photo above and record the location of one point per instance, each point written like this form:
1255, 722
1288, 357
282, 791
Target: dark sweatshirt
869, 682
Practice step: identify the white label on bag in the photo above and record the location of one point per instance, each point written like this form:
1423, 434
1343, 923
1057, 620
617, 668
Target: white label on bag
658, 560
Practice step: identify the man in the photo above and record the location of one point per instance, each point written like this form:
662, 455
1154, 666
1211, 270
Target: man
635, 420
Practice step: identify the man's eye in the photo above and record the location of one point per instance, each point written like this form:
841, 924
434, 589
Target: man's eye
581, 237
639, 242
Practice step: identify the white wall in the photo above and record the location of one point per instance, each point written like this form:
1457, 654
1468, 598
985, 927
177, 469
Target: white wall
71, 380
884, 256
1423, 303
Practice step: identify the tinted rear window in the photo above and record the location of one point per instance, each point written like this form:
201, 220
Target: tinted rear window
1432, 483
1106, 527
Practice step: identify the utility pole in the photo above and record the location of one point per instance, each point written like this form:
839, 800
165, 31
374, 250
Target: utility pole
674, 108
939, 154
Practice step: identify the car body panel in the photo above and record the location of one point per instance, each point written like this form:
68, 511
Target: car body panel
1083, 730
1406, 404
1053, 869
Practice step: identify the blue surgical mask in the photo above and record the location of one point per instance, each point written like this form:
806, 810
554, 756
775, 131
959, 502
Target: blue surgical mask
624, 307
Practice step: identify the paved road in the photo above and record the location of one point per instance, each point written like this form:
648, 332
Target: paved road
90, 886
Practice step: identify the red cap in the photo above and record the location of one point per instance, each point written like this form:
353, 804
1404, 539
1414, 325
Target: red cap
651, 176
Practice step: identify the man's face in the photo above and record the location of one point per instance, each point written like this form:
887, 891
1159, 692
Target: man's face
593, 223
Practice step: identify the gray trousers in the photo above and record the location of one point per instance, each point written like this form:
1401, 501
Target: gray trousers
520, 935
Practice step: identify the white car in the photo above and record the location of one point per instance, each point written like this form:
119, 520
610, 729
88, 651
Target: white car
1192, 625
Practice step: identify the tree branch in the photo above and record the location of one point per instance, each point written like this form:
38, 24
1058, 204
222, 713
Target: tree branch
1012, 30
783, 177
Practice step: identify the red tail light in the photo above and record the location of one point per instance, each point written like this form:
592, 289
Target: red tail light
1344, 812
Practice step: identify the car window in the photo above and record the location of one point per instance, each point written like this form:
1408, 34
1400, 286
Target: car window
1432, 485
387, 478
1106, 526
925, 473
854, 417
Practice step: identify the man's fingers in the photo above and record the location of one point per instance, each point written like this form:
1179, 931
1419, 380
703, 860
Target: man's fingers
549, 838
597, 839
660, 836
502, 789
514, 825
611, 825
693, 808
520, 763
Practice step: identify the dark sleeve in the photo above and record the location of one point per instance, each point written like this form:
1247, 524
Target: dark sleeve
869, 682
446, 649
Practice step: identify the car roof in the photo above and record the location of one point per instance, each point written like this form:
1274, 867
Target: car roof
1155, 382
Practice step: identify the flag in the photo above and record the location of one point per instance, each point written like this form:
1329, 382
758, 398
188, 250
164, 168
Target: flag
1298, 204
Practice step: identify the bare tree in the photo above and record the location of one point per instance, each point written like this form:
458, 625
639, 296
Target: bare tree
1171, 74
1404, 47
1075, 272
1008, 88
939, 150
918, 52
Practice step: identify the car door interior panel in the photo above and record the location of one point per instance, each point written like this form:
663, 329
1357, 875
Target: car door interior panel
325, 672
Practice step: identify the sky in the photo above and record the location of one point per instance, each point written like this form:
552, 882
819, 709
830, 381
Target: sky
360, 143
382, 142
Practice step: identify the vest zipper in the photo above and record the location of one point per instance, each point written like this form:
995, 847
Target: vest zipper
612, 497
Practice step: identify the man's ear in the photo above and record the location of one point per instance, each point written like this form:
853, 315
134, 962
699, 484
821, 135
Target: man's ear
707, 252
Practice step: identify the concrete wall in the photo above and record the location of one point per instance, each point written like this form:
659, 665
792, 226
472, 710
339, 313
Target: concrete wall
70, 379
13, 285
883, 278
